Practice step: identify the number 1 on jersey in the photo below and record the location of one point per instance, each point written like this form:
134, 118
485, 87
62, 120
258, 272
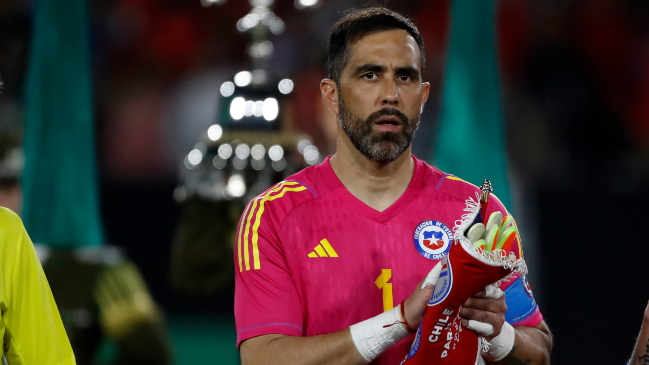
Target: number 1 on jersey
382, 283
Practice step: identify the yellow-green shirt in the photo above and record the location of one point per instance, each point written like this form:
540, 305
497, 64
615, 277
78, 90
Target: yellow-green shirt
31, 327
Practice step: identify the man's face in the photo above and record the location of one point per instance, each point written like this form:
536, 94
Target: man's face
381, 94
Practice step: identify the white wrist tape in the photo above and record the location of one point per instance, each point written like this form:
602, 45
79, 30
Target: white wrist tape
501, 345
377, 334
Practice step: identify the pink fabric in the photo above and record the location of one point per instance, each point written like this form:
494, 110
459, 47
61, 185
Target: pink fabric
294, 294
533, 320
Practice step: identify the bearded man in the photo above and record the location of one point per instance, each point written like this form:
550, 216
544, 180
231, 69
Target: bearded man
325, 262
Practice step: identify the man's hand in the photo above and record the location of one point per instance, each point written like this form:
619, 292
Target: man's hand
416, 304
485, 307
333, 348
485, 310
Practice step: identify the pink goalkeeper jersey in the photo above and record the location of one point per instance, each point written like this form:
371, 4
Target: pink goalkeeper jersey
312, 259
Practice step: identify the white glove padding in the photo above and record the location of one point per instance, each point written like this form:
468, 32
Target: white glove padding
499, 233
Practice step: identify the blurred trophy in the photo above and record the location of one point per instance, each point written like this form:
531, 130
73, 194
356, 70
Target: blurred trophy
250, 147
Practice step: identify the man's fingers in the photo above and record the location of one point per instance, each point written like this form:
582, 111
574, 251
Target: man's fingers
481, 328
415, 306
492, 292
486, 304
492, 318
481, 294
479, 320
433, 275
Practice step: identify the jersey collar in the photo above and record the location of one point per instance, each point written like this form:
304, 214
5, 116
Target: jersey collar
337, 187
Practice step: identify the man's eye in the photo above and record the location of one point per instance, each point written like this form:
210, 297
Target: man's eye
370, 76
405, 78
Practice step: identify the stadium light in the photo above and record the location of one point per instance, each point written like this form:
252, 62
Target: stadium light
268, 109
238, 108
225, 151
302, 145
301, 4
285, 86
311, 155
227, 89
207, 3
276, 152
243, 78
242, 151
195, 156
271, 109
258, 151
236, 186
215, 132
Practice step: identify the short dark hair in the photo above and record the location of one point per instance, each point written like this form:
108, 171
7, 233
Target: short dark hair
359, 23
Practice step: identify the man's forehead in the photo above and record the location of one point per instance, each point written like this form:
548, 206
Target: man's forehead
394, 46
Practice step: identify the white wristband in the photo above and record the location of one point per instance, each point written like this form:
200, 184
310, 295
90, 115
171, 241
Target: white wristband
377, 334
501, 345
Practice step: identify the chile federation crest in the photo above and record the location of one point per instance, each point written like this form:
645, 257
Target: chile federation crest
433, 239
526, 286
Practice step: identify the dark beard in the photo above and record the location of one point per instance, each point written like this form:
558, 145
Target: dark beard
381, 147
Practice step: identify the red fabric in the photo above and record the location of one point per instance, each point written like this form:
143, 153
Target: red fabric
441, 338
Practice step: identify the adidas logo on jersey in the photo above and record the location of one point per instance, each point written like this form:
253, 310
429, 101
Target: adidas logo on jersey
324, 249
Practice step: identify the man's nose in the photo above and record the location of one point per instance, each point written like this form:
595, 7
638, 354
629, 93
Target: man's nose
390, 93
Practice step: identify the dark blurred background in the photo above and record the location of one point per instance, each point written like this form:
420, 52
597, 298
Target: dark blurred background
575, 96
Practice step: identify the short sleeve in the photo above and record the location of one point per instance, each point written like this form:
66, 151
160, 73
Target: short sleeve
34, 333
266, 300
522, 309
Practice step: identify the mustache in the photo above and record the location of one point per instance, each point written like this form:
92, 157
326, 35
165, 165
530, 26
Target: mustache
388, 111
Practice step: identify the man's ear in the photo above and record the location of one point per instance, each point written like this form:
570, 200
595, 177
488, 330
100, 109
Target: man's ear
424, 95
330, 96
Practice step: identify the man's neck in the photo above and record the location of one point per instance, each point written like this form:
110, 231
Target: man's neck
377, 185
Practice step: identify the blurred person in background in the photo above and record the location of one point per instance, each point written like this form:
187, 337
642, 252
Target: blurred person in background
31, 326
99, 292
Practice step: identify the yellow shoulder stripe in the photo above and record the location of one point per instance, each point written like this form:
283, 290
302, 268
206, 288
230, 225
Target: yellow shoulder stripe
281, 189
451, 177
243, 223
